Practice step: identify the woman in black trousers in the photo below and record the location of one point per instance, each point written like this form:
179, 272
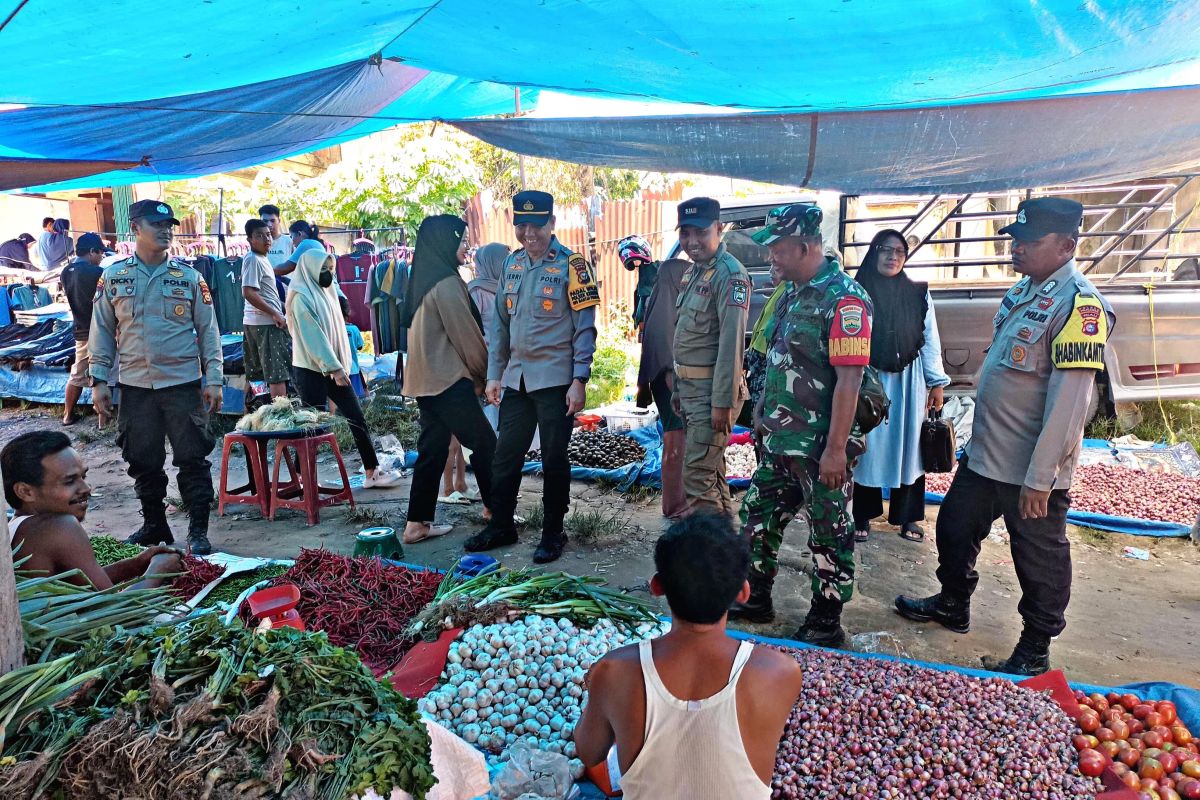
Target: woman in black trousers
446, 370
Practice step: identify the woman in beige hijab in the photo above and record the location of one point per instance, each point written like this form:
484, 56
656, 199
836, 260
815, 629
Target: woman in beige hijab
321, 354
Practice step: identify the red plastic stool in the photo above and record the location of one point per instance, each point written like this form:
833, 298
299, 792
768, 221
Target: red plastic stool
307, 494
254, 491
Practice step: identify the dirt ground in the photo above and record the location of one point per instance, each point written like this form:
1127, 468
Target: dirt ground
1129, 620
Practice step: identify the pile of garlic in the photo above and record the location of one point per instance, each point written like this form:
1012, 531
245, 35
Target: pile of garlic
523, 680
740, 461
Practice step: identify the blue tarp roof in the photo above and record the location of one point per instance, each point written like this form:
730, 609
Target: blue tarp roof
820, 55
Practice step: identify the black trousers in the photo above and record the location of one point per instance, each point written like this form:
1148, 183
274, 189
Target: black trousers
316, 389
1040, 550
662, 401
454, 412
905, 504
146, 418
520, 413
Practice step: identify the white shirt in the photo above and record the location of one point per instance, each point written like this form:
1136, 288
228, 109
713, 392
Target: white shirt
281, 250
257, 274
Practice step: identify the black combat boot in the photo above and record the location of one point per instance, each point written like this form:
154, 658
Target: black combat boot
198, 532
550, 548
946, 611
823, 625
155, 529
1030, 657
758, 608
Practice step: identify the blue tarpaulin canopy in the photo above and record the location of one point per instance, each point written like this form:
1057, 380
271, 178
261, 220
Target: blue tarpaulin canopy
306, 71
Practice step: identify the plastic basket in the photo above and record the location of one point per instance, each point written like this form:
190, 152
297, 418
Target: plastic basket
625, 418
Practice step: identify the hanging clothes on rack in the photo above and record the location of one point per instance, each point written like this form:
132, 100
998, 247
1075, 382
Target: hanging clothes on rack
227, 293
352, 271
388, 283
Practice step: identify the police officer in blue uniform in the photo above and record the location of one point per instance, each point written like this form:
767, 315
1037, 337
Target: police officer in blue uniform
154, 314
539, 358
1030, 410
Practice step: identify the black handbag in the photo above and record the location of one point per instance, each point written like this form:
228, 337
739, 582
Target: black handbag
873, 402
939, 447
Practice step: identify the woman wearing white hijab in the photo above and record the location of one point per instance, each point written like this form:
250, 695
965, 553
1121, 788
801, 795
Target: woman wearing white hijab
321, 354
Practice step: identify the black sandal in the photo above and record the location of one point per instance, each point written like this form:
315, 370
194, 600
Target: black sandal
912, 532
862, 534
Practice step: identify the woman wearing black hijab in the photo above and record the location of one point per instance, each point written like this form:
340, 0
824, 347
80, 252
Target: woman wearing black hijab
907, 351
446, 370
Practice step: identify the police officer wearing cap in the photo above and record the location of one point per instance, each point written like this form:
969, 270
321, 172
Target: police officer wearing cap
710, 336
154, 315
1030, 410
539, 359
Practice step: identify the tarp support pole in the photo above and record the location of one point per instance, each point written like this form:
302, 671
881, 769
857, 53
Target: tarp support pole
520, 158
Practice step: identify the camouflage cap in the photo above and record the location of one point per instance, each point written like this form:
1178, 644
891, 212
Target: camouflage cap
794, 219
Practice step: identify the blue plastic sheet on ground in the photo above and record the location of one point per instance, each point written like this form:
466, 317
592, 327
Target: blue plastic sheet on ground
1185, 698
1107, 522
648, 437
651, 474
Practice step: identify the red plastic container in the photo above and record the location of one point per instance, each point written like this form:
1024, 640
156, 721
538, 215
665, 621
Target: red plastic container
277, 605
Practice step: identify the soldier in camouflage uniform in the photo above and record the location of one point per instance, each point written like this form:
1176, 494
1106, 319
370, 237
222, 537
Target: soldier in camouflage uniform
820, 343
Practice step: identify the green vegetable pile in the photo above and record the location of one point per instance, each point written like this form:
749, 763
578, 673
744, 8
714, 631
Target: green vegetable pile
109, 550
494, 596
202, 710
231, 589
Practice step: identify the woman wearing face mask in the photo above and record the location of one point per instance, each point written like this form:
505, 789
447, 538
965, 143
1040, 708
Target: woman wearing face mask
907, 351
446, 372
321, 354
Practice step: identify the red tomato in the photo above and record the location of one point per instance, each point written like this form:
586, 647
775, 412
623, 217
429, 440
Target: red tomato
1109, 749
1113, 698
1181, 735
1169, 761
1169, 794
1089, 722
1135, 726
1167, 709
1152, 739
1150, 768
1152, 720
1080, 741
1130, 757
1092, 763
1130, 700
1142, 710
1105, 735
1165, 733
1190, 790
1119, 728
1098, 702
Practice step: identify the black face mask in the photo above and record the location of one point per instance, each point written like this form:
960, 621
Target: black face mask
325, 279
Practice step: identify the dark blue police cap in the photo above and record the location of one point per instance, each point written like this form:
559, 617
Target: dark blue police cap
1039, 216
152, 211
532, 206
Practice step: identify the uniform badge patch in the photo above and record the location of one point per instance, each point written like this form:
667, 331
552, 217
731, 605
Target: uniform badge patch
1080, 343
554, 270
179, 309
1045, 303
176, 273
1025, 333
1048, 287
739, 294
99, 289
205, 294
1018, 354
582, 290
508, 301
548, 291
123, 271
1090, 316
850, 318
547, 305
708, 274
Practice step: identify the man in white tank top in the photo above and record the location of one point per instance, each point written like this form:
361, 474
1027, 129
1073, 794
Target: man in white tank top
695, 713
45, 482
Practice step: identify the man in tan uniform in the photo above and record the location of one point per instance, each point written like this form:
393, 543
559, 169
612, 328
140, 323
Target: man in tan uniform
710, 335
